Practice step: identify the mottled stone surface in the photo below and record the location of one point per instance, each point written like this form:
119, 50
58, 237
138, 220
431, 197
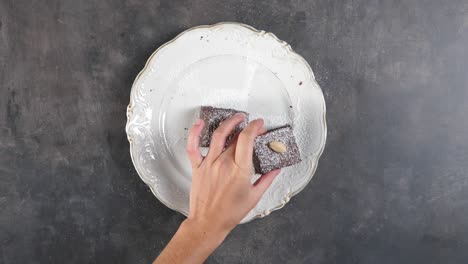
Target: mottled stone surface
391, 186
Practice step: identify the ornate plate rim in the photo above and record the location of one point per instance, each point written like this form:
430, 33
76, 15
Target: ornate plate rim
289, 50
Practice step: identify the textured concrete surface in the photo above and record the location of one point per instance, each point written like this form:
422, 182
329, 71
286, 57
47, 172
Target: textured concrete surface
392, 185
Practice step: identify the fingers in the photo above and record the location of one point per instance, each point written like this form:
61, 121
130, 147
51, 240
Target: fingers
193, 142
218, 140
245, 143
230, 151
262, 184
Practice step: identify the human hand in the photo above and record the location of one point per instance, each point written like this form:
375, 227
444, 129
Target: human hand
222, 192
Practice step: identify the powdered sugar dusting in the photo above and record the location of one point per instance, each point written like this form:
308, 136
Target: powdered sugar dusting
266, 160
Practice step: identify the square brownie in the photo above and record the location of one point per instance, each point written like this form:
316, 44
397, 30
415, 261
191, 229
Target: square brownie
213, 117
275, 149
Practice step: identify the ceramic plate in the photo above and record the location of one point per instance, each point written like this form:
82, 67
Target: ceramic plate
226, 65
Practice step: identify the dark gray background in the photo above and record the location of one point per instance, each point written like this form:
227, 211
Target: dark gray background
391, 186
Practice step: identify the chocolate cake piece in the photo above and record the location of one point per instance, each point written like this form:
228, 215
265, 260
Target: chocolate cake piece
275, 149
212, 117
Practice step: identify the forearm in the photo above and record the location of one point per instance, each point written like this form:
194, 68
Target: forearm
192, 243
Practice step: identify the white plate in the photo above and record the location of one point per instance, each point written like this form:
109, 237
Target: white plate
227, 65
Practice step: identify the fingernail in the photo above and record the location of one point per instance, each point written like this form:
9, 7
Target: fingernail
260, 119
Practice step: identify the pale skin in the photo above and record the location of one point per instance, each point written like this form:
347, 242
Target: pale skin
221, 193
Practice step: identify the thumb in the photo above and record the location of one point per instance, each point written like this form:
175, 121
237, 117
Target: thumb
262, 184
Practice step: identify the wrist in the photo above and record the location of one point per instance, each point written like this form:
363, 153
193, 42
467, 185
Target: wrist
208, 236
